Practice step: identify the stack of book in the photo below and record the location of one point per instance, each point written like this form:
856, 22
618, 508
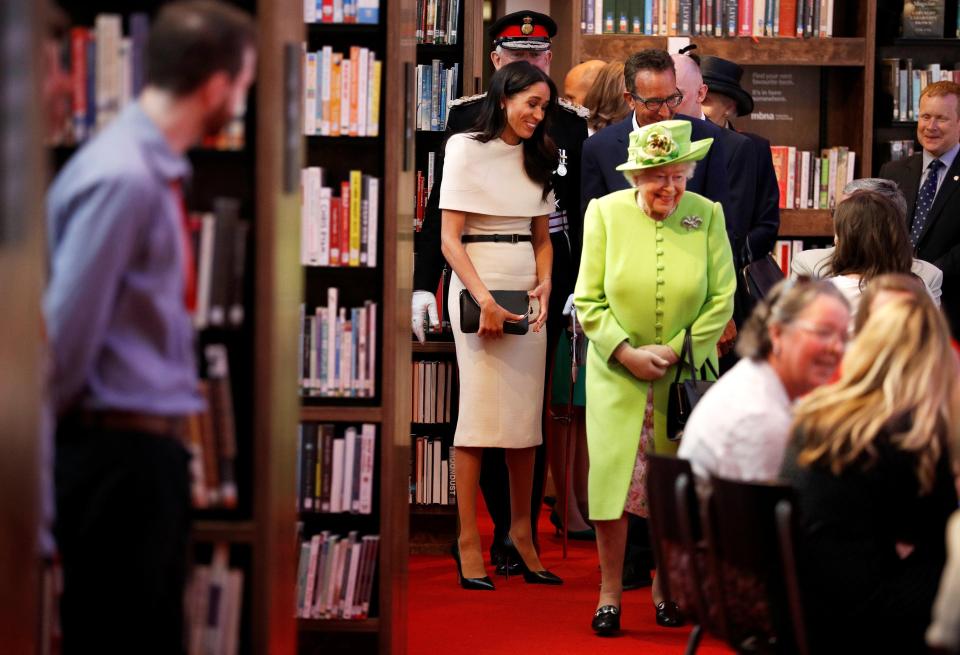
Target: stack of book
363, 12
772, 18
424, 187
213, 600
335, 473
212, 437
338, 350
341, 92
436, 87
107, 71
220, 246
432, 386
904, 84
810, 182
339, 230
335, 576
433, 480
437, 21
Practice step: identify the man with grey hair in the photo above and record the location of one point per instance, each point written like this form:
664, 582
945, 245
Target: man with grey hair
816, 262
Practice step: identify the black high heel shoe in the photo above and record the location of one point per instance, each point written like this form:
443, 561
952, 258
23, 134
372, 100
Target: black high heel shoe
471, 584
606, 620
535, 577
668, 614
504, 557
581, 535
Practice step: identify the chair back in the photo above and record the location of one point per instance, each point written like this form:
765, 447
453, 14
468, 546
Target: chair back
751, 536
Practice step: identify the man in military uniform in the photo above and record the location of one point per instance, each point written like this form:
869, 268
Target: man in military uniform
519, 35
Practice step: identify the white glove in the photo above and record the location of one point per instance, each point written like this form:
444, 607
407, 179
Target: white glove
424, 306
568, 306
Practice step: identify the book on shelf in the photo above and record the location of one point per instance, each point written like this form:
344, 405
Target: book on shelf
335, 471
107, 70
432, 475
437, 22
212, 439
902, 82
341, 92
719, 18
213, 602
808, 181
424, 185
339, 230
335, 575
432, 391
900, 149
349, 12
338, 350
436, 87
784, 251
220, 246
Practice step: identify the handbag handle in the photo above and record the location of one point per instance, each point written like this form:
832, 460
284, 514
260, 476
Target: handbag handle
686, 357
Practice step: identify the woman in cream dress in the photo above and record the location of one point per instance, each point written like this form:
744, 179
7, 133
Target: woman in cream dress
495, 198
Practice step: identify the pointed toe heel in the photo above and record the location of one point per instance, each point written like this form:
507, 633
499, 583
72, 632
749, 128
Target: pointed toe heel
470, 584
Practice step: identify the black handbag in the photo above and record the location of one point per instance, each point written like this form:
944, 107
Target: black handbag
685, 395
757, 278
515, 302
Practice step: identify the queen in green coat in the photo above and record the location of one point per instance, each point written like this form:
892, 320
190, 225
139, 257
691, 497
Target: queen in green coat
656, 261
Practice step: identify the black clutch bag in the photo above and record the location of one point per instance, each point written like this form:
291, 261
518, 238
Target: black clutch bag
685, 395
515, 302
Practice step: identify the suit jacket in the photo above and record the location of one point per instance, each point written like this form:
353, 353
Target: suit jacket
607, 149
939, 242
816, 263
568, 129
765, 211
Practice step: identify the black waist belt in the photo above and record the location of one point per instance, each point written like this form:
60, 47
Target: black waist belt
124, 421
495, 238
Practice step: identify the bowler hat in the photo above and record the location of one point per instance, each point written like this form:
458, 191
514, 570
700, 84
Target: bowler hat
723, 77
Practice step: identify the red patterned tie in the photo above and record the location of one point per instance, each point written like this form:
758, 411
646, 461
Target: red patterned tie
189, 269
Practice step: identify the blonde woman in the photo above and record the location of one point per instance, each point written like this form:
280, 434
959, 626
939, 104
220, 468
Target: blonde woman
869, 460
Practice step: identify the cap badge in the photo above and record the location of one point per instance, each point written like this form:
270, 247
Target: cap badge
527, 27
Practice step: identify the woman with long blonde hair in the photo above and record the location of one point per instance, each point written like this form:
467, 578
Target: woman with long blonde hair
870, 462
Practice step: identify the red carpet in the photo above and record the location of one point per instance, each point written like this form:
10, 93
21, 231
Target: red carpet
519, 618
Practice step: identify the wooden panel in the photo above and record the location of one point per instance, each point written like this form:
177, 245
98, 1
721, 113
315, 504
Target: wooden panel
567, 45
341, 413
473, 54
759, 52
338, 625
230, 531
806, 223
434, 347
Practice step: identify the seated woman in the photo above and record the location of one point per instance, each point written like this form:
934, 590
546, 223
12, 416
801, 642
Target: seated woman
869, 459
791, 344
656, 262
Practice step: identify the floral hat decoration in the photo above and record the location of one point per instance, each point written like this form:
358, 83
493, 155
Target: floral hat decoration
662, 144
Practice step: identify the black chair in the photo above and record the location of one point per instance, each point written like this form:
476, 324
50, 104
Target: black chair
751, 547
679, 546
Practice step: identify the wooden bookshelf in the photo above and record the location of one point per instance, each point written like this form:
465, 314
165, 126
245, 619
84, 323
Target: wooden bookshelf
339, 625
806, 222
433, 347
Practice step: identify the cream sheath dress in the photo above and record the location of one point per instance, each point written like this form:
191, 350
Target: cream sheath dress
501, 380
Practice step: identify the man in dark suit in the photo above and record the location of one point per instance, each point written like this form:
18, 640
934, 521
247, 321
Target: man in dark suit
930, 180
519, 35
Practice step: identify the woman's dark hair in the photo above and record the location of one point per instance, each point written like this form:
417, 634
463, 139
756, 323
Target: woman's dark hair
872, 238
539, 151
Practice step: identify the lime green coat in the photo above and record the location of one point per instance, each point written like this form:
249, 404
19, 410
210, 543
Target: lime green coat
644, 281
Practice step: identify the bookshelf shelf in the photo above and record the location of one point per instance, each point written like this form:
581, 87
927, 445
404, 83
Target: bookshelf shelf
434, 510
340, 413
433, 347
230, 531
338, 625
833, 51
336, 140
806, 222
343, 28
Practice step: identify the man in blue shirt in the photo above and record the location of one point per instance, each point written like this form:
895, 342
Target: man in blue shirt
117, 310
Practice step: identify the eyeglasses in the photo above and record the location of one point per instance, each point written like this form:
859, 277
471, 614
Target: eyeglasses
821, 333
654, 104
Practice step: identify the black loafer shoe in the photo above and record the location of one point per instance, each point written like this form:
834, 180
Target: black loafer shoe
606, 621
668, 615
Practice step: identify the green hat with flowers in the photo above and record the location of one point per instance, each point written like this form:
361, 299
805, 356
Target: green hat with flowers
663, 144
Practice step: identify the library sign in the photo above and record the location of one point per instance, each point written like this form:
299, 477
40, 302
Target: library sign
786, 105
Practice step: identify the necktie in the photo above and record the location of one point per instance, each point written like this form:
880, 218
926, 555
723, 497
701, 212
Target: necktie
189, 270
925, 201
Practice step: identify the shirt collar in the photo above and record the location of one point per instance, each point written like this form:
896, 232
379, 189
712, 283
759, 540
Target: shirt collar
947, 158
167, 163
633, 117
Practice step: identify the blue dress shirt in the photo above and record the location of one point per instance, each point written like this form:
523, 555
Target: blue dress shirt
120, 334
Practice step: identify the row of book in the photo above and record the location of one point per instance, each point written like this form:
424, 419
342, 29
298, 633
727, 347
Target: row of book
335, 576
900, 149
784, 251
754, 18
339, 230
213, 601
810, 182
335, 472
107, 70
432, 391
433, 479
437, 21
341, 92
436, 86
212, 437
424, 187
338, 350
360, 12
904, 84
220, 256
